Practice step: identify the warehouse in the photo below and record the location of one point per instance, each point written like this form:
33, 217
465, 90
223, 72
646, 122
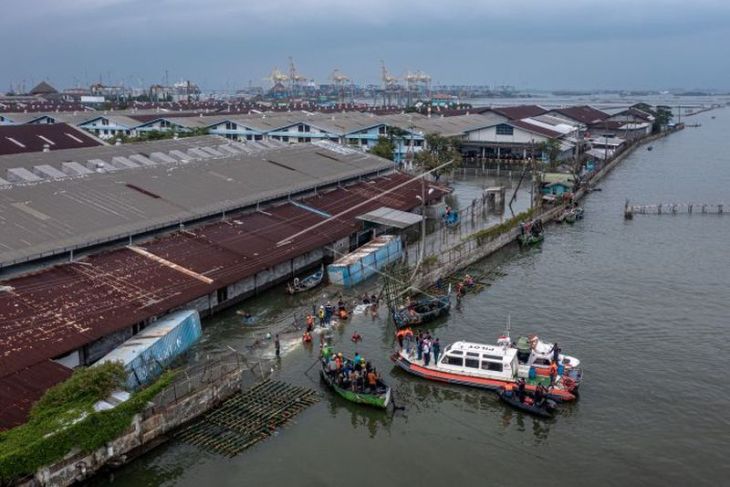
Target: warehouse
73, 314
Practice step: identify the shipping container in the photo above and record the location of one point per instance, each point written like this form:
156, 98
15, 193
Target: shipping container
147, 353
357, 266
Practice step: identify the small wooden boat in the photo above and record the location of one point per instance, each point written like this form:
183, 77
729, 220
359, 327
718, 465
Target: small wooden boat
651, 147
379, 398
569, 216
307, 283
530, 239
544, 410
579, 212
531, 233
423, 311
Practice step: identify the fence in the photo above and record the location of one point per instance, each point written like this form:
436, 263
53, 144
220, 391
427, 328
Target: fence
215, 368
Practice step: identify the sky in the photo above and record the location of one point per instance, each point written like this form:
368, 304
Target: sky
229, 44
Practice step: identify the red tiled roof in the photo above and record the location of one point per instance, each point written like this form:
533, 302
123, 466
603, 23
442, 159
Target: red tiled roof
21, 389
583, 114
17, 139
518, 112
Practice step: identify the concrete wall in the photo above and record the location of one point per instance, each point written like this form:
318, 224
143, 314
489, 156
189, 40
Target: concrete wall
146, 429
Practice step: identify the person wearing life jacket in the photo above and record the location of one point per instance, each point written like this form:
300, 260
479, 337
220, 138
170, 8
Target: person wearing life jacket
320, 314
310, 322
343, 313
553, 373
373, 380
400, 336
356, 337
307, 337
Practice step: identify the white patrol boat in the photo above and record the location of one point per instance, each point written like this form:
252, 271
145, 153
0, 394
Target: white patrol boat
534, 353
493, 367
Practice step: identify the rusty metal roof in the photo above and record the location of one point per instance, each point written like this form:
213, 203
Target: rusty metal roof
17, 139
52, 312
21, 389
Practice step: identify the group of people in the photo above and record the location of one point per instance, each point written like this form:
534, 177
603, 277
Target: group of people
422, 344
357, 375
540, 394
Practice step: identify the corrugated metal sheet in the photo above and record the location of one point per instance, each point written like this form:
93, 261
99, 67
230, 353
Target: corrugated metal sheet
146, 355
17, 139
364, 262
21, 389
55, 311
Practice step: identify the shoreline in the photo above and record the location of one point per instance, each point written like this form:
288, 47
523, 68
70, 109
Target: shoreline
458, 259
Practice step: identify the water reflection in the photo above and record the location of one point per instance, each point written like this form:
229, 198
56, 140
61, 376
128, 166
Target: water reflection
371, 419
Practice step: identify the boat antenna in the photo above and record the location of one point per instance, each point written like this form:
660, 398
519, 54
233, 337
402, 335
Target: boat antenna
509, 323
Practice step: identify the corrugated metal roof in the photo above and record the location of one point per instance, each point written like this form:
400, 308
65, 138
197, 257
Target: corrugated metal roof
52, 312
17, 139
391, 217
584, 114
518, 112
113, 205
21, 389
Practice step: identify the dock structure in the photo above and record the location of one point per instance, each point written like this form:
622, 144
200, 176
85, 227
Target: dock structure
248, 417
674, 209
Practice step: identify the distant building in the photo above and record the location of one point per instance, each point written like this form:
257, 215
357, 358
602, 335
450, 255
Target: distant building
43, 89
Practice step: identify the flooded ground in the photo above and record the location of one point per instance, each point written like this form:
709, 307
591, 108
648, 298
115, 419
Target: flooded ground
643, 304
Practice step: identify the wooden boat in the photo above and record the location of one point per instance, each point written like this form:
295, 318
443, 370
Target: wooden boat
569, 216
491, 367
380, 398
307, 283
651, 147
527, 240
423, 311
545, 410
579, 212
531, 233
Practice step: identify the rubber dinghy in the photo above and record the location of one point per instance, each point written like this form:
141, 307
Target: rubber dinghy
545, 410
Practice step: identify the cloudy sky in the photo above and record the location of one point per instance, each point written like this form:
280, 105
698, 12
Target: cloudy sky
573, 44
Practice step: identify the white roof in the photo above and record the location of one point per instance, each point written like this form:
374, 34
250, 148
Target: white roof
391, 217
507, 354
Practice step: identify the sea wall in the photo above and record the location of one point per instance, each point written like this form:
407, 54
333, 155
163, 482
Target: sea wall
197, 391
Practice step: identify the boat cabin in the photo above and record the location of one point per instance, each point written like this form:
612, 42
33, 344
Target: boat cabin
490, 361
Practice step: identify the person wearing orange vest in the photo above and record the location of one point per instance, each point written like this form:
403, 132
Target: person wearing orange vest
553, 373
310, 322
